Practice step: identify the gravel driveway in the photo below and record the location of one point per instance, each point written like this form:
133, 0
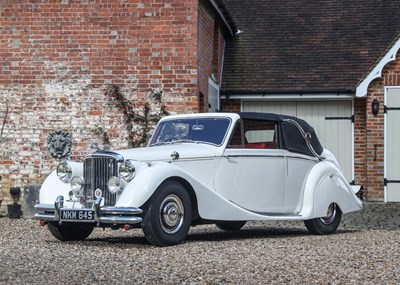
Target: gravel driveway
364, 251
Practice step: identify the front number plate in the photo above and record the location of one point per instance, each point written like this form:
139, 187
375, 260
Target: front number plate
77, 215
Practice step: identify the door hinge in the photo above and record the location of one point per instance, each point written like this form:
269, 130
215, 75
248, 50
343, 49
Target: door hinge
386, 109
351, 118
386, 181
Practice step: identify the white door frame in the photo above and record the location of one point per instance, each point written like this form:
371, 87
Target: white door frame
385, 134
212, 84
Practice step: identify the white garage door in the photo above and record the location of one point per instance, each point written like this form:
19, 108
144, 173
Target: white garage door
392, 145
332, 121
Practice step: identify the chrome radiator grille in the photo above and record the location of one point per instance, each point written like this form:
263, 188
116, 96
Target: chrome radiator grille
96, 172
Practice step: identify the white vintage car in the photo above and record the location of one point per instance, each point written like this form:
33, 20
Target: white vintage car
222, 168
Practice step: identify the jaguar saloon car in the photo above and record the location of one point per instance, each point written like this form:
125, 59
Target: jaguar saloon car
219, 168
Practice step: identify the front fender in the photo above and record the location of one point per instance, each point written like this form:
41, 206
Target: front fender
146, 182
325, 185
51, 188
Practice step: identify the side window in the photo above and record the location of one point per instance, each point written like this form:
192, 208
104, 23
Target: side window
260, 134
237, 136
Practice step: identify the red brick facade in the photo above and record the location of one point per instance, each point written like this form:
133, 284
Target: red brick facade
360, 151
59, 58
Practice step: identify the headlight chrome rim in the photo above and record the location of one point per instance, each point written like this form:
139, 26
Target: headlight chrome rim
64, 172
127, 170
76, 185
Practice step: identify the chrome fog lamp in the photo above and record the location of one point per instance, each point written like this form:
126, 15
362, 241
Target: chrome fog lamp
76, 185
64, 172
114, 185
127, 170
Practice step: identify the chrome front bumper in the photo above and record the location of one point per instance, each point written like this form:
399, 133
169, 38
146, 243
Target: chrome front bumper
102, 215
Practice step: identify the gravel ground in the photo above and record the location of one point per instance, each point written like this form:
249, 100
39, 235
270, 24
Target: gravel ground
365, 250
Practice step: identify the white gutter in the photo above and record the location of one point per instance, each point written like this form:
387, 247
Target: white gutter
260, 97
362, 88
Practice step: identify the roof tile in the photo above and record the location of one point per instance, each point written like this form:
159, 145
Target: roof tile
300, 46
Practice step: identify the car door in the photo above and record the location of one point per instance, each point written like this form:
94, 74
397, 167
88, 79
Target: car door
253, 179
252, 170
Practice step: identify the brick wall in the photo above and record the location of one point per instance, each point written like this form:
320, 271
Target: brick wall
375, 131
231, 105
59, 58
360, 151
210, 50
206, 24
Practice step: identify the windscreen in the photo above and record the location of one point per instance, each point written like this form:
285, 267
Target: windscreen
199, 130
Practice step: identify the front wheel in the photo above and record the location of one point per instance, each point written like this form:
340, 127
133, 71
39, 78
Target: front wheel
327, 224
167, 219
70, 231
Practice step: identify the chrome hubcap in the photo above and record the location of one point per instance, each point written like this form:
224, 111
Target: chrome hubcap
171, 214
330, 215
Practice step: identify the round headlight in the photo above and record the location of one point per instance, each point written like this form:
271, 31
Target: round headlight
64, 172
114, 185
76, 185
127, 170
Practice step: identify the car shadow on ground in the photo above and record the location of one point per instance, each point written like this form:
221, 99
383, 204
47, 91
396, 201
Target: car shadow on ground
245, 233
251, 233
209, 234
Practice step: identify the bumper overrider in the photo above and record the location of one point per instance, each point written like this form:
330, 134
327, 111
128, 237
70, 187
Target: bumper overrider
97, 214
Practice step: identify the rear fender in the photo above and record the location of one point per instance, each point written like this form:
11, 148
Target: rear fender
325, 185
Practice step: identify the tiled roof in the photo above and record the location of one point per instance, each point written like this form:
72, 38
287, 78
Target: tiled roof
220, 7
305, 46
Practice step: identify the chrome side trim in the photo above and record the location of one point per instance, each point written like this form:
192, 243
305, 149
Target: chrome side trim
254, 155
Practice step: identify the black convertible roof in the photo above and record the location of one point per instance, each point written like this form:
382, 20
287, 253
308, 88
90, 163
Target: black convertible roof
291, 137
269, 117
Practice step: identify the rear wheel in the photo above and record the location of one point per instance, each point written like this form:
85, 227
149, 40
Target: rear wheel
327, 224
167, 219
70, 231
230, 225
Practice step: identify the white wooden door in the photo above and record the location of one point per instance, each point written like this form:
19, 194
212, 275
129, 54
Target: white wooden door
332, 121
392, 145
